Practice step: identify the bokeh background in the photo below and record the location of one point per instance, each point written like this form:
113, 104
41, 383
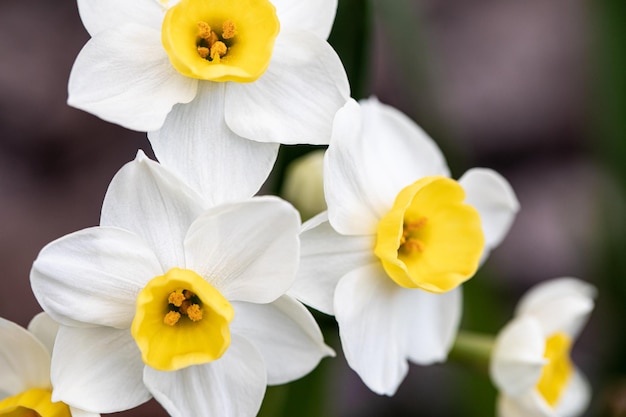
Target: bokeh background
534, 89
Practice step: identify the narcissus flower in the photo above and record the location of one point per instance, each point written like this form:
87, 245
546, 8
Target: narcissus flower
398, 239
531, 364
25, 388
176, 298
203, 75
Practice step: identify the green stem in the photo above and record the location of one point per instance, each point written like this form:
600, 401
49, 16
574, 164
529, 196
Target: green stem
472, 350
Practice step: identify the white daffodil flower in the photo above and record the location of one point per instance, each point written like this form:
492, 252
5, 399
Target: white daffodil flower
398, 239
530, 363
25, 387
175, 298
269, 76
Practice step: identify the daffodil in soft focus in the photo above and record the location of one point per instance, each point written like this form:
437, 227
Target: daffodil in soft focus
531, 364
202, 75
176, 298
304, 184
398, 239
25, 387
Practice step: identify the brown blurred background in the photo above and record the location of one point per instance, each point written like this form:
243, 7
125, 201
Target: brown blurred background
515, 86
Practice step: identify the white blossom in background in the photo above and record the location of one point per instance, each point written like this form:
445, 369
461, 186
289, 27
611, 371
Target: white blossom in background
304, 184
531, 364
269, 77
398, 239
25, 386
176, 298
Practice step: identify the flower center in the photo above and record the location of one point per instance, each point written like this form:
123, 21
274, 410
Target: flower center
430, 239
559, 369
181, 320
220, 40
33, 403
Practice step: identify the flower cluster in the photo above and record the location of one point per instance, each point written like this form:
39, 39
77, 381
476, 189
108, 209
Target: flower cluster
192, 289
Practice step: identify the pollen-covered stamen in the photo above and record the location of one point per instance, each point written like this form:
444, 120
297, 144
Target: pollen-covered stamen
410, 241
182, 303
210, 45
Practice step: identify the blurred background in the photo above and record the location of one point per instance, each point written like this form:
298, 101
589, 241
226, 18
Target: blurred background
533, 89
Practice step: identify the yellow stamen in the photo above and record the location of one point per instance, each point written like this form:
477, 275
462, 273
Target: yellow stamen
204, 31
176, 298
559, 369
171, 318
218, 50
194, 312
228, 29
203, 52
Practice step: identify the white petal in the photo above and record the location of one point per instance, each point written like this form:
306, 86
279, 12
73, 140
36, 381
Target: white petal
530, 404
374, 153
97, 369
431, 323
77, 412
153, 203
495, 201
249, 251
576, 397
25, 362
297, 97
124, 76
285, 333
517, 358
99, 15
561, 304
196, 144
316, 16
93, 276
44, 329
372, 339
231, 386
325, 257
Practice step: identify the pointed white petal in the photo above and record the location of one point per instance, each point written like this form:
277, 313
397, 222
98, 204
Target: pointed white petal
561, 304
44, 329
325, 257
297, 97
196, 144
231, 386
285, 333
153, 203
372, 339
576, 397
99, 15
97, 369
77, 412
25, 362
124, 76
495, 201
316, 16
93, 276
375, 152
249, 251
431, 323
517, 358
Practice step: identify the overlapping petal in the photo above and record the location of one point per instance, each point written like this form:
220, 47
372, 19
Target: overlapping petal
285, 333
93, 276
375, 152
124, 76
493, 197
25, 362
297, 97
561, 304
576, 396
233, 386
316, 16
97, 369
196, 144
100, 15
249, 250
371, 333
325, 257
44, 329
150, 201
